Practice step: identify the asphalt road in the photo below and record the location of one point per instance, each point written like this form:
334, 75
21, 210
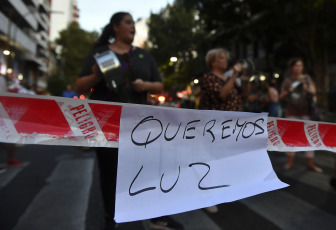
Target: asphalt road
58, 188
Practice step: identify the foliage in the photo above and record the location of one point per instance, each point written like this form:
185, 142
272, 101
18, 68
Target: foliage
176, 32
285, 29
75, 44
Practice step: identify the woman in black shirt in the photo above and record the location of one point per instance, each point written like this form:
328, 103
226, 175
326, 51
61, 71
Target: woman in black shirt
136, 76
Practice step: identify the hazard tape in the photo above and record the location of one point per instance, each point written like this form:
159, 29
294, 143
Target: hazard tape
31, 119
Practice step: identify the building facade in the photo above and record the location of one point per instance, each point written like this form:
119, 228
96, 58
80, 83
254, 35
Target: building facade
24, 41
66, 12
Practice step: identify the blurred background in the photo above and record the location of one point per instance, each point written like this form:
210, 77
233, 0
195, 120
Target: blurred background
42, 47
43, 42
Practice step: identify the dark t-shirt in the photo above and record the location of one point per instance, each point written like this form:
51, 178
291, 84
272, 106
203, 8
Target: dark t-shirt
142, 66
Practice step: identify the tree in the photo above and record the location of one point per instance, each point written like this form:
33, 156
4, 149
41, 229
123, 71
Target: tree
75, 44
176, 32
285, 28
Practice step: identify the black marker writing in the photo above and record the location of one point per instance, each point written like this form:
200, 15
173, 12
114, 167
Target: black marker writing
140, 191
169, 139
168, 190
209, 130
199, 184
148, 141
188, 129
225, 127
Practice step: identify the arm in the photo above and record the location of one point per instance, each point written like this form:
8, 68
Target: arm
151, 87
310, 87
226, 90
154, 85
85, 83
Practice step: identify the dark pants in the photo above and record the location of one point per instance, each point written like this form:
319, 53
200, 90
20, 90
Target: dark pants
107, 162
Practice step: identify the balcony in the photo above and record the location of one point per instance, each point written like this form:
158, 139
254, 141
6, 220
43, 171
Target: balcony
42, 42
42, 52
44, 6
42, 26
18, 11
16, 35
31, 2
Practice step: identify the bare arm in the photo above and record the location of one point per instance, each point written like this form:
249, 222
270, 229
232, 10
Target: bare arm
309, 86
226, 90
151, 87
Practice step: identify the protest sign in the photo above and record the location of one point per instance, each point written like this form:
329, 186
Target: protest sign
172, 161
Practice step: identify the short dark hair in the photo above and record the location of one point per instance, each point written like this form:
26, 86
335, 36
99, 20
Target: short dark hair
108, 31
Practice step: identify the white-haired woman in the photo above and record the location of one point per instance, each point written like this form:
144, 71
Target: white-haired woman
219, 92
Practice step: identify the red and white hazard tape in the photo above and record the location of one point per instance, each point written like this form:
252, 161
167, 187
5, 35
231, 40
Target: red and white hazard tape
297, 135
30, 119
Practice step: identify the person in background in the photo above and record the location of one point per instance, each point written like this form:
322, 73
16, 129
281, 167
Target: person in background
68, 92
220, 92
138, 75
298, 91
273, 98
254, 99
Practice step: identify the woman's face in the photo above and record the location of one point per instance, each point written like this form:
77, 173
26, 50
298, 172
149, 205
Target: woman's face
125, 31
297, 68
221, 62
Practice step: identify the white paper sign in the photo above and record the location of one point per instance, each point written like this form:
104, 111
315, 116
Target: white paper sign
177, 160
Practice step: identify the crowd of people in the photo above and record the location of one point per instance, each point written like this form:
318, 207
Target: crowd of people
297, 96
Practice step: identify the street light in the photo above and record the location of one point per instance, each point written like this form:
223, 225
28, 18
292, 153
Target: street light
6, 52
262, 77
173, 59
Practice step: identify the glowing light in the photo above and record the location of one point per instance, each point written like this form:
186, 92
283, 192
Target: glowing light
9, 71
161, 99
276, 75
196, 81
75, 97
180, 94
20, 77
91, 89
6, 52
81, 97
252, 78
262, 77
173, 59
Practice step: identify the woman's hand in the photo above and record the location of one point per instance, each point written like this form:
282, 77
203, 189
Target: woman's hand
238, 68
140, 85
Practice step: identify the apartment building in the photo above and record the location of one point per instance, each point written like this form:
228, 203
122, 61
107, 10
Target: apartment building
24, 41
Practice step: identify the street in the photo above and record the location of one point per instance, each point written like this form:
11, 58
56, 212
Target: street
58, 188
